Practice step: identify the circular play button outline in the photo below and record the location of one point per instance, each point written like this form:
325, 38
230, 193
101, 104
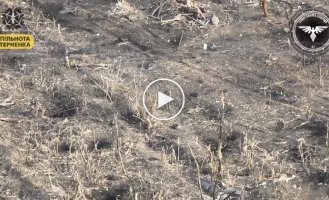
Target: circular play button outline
183, 96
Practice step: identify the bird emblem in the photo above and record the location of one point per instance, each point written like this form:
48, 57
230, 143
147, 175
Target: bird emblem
313, 31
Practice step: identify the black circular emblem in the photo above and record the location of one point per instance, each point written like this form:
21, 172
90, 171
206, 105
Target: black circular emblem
309, 31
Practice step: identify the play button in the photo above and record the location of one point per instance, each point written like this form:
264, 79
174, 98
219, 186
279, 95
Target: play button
163, 99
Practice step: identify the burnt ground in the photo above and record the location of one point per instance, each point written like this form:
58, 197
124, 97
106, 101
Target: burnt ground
75, 127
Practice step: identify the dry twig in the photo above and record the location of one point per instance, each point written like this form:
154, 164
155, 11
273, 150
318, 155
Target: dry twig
7, 102
198, 170
5, 119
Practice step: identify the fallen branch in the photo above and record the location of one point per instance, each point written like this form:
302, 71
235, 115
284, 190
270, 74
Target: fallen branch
161, 6
158, 9
7, 102
8, 119
176, 18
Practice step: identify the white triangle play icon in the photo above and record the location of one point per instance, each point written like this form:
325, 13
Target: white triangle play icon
163, 99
